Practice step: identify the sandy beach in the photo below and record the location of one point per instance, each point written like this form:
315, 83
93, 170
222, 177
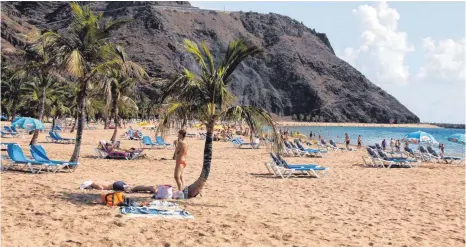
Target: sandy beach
317, 124
242, 205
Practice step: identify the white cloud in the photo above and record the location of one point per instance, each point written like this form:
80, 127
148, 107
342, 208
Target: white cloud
444, 60
383, 46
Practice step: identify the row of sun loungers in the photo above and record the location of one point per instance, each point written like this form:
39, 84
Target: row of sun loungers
39, 162
159, 142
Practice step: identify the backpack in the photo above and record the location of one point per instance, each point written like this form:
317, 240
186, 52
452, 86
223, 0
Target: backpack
113, 199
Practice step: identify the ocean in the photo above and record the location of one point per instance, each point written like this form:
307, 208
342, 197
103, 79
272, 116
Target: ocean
372, 135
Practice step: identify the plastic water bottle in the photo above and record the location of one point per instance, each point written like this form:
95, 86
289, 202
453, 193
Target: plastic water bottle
185, 193
181, 195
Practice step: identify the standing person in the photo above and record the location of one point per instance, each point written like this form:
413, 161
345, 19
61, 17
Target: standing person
442, 150
180, 157
392, 143
347, 140
397, 145
359, 142
384, 144
310, 136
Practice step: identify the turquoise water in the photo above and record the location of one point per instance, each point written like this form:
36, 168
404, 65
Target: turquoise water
371, 135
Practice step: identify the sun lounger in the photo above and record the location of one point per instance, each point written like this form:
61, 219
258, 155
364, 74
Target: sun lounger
239, 143
147, 142
19, 159
56, 138
309, 151
308, 169
161, 142
39, 154
103, 152
447, 159
385, 160
8, 131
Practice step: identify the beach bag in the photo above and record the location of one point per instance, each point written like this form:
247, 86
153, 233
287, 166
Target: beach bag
164, 192
113, 199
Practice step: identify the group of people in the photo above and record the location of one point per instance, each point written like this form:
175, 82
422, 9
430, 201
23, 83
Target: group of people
179, 156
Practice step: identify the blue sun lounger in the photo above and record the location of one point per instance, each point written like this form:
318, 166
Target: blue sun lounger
309, 169
147, 141
39, 154
161, 142
18, 158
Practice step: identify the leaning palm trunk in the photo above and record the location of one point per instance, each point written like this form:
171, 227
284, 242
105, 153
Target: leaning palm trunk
195, 188
115, 117
35, 136
81, 118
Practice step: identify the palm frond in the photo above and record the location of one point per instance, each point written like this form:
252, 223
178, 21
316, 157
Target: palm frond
75, 64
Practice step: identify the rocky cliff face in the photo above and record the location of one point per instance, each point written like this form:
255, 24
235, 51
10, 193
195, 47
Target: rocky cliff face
298, 72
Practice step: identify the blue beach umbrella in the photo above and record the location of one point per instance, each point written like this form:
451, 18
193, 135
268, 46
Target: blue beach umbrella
420, 137
458, 138
28, 123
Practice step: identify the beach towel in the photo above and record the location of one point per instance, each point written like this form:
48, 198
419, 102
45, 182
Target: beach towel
155, 213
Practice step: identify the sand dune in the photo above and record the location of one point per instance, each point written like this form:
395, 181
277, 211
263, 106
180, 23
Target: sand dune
242, 205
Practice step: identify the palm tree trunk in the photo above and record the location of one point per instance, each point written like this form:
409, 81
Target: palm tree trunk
35, 136
115, 117
75, 120
81, 118
53, 123
195, 188
105, 123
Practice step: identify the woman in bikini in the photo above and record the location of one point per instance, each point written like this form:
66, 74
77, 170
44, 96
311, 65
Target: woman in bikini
180, 157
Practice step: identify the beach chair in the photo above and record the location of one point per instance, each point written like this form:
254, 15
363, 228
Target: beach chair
294, 150
377, 146
239, 143
447, 159
384, 156
324, 146
389, 162
39, 154
19, 159
147, 142
63, 140
161, 142
103, 152
8, 130
312, 170
427, 156
279, 171
51, 137
310, 151
335, 147
57, 128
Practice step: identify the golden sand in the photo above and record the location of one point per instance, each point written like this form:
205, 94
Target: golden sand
242, 205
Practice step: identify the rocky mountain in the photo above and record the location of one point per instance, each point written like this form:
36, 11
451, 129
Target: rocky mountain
298, 72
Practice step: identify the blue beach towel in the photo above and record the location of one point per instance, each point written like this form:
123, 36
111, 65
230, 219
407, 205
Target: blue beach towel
155, 213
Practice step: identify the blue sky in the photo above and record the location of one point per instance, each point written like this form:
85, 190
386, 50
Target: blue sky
413, 50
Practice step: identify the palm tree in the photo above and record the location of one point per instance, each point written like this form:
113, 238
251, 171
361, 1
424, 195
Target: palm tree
121, 84
206, 97
85, 52
11, 87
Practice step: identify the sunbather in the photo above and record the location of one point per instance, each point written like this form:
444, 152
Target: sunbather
118, 186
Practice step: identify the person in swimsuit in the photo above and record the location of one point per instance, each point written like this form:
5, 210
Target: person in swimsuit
180, 157
119, 186
347, 140
359, 142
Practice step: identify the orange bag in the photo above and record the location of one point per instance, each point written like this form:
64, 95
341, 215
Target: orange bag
113, 199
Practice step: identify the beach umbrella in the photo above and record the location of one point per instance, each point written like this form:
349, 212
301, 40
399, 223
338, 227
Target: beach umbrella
28, 123
458, 138
420, 137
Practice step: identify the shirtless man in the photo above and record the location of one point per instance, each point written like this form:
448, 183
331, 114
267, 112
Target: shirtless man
180, 157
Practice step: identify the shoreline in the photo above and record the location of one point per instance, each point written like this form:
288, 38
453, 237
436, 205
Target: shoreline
321, 124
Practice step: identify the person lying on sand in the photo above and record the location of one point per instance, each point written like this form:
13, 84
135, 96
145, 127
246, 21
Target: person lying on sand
118, 186
111, 148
